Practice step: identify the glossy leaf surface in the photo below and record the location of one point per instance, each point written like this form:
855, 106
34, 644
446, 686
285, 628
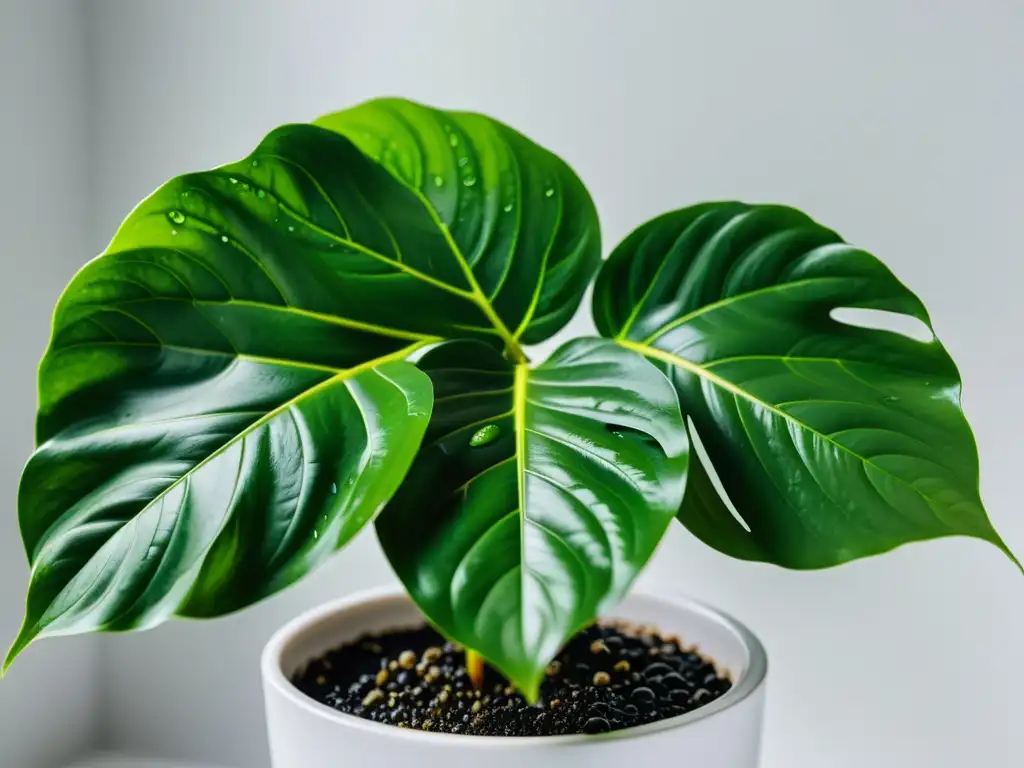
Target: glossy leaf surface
224, 401
537, 496
833, 441
525, 223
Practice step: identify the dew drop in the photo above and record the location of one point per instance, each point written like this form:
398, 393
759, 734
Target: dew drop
223, 238
890, 399
174, 232
260, 194
463, 161
469, 181
334, 487
508, 208
255, 163
549, 192
177, 217
232, 179
453, 139
316, 534
438, 181
485, 436
291, 227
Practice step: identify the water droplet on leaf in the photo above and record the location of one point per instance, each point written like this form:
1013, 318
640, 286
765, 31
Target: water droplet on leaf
223, 238
255, 163
891, 399
463, 162
469, 181
177, 217
485, 436
438, 181
291, 227
260, 193
549, 192
334, 487
174, 232
232, 179
508, 207
453, 139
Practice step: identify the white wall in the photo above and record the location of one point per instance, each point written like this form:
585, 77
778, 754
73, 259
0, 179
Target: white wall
897, 121
49, 700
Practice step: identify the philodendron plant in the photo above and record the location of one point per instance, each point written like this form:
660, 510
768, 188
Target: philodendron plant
331, 332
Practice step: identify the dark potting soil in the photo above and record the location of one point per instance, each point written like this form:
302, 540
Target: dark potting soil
608, 677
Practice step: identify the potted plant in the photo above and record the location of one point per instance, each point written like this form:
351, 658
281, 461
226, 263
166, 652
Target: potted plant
273, 354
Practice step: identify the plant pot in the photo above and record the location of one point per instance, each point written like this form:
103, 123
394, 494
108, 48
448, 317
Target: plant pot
306, 734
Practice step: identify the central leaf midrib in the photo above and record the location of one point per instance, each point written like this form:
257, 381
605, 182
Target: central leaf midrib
475, 294
288, 309
340, 376
200, 351
519, 398
736, 390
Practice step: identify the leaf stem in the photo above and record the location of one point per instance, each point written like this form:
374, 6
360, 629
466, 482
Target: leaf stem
475, 668
511, 343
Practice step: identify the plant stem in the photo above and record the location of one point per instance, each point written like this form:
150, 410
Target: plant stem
475, 668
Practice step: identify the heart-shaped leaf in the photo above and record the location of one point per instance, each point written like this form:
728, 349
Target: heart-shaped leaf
524, 221
224, 403
833, 440
537, 496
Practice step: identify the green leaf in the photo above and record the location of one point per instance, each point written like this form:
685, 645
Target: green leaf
833, 440
224, 402
117, 546
524, 221
537, 496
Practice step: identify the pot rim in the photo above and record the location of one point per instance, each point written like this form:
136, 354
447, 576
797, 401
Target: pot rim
750, 681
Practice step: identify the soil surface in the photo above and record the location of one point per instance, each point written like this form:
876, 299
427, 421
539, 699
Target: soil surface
610, 676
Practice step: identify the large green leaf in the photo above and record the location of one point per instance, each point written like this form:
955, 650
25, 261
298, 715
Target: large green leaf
537, 496
224, 403
833, 440
225, 381
524, 221
134, 519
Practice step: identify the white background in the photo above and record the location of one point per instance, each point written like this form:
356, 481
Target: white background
49, 702
898, 122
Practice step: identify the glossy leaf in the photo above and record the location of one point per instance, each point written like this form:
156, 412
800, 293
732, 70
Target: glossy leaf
525, 223
239, 521
537, 496
833, 441
234, 356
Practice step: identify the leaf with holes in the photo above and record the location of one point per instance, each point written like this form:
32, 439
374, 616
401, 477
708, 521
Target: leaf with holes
537, 497
833, 441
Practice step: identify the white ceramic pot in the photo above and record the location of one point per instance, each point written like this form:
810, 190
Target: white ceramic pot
306, 734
